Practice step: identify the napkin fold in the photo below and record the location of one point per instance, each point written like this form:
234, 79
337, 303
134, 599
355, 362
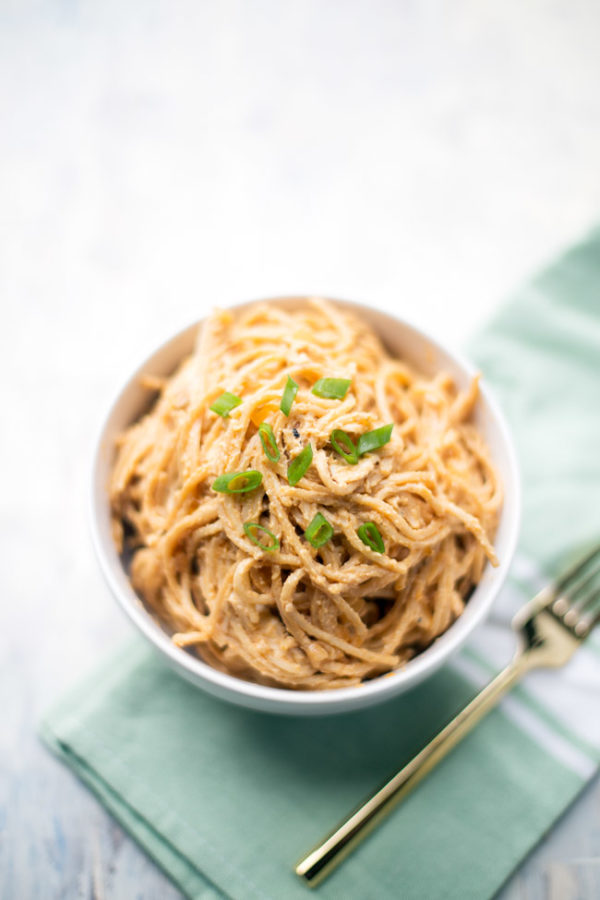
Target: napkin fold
226, 799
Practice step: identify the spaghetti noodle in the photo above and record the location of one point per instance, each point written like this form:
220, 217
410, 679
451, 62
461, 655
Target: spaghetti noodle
329, 578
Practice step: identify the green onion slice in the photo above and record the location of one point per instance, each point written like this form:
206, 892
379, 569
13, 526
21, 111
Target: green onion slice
225, 403
373, 440
299, 465
254, 531
332, 388
237, 482
319, 531
269, 444
343, 444
369, 535
289, 394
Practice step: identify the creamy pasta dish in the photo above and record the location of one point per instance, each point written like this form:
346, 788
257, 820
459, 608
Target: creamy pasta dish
300, 508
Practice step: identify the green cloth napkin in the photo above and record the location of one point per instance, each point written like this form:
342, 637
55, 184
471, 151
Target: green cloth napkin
226, 800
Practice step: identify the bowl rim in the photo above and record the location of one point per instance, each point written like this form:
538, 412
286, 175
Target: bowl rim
285, 700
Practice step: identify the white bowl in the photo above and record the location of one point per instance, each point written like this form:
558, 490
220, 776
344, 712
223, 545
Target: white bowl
429, 357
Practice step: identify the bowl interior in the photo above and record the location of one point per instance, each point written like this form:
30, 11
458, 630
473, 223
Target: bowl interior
424, 354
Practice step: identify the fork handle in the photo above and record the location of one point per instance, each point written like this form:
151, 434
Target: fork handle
326, 856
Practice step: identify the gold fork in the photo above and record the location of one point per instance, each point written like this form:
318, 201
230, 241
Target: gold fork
550, 628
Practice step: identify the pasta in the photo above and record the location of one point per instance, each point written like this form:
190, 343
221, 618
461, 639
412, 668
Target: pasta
335, 578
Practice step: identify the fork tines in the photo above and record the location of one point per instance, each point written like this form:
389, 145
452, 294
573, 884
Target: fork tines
577, 595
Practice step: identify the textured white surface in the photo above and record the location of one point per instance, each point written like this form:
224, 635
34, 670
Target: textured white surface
157, 158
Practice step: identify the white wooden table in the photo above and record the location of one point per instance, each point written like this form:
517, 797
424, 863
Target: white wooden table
157, 158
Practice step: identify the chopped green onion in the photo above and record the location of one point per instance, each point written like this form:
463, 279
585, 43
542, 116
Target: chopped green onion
369, 535
289, 394
269, 444
299, 465
251, 529
237, 482
332, 388
319, 531
225, 403
373, 440
343, 444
